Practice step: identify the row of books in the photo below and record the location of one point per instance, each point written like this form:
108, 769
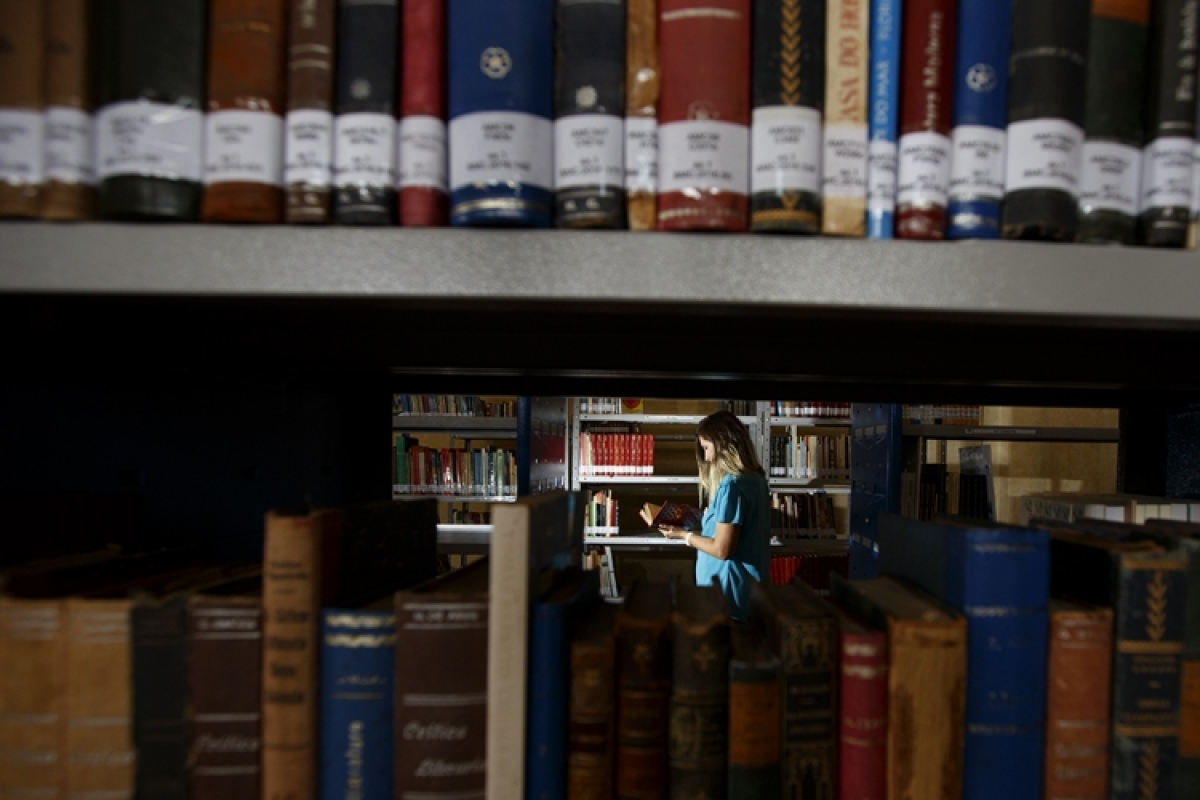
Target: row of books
933, 119
603, 514
809, 408
802, 516
451, 405
1114, 507
809, 457
942, 414
619, 455
814, 569
611, 405
484, 472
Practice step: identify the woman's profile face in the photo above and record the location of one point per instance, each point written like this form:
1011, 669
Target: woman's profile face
709, 450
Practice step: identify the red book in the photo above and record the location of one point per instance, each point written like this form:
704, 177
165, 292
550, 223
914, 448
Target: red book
704, 115
422, 136
862, 718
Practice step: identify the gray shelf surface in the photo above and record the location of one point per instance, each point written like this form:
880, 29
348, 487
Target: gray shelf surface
456, 424
1013, 433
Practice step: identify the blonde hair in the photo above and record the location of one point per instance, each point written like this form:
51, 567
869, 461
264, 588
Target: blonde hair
733, 452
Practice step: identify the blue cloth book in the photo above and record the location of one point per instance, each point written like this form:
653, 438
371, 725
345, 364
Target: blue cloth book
999, 577
357, 694
883, 118
980, 120
500, 67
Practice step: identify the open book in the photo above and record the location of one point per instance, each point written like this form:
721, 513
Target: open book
671, 513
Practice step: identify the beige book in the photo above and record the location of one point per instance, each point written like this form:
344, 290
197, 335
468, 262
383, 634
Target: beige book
844, 160
642, 78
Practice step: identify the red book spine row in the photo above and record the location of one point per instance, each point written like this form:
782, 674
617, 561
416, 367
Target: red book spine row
813, 569
862, 723
617, 455
422, 134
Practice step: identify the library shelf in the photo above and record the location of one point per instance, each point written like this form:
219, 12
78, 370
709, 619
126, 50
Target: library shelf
807, 486
457, 425
809, 422
454, 498
655, 419
827, 544
647, 480
463, 539
1014, 433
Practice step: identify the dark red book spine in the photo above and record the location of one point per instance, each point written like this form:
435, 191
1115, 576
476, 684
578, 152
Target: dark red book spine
863, 691
422, 139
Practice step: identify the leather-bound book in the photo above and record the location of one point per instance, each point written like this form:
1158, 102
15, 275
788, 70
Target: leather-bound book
1110, 192
308, 128
785, 134
1166, 206
698, 734
589, 107
364, 129
33, 684
150, 122
22, 100
591, 721
845, 152
643, 83
923, 181
862, 709
704, 115
884, 117
754, 713
501, 83
243, 136
421, 137
643, 690
159, 645
1047, 76
70, 192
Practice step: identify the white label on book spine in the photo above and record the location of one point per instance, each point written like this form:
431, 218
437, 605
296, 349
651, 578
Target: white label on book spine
588, 151
308, 152
1196, 181
421, 142
243, 146
785, 149
1111, 178
22, 153
69, 145
924, 179
881, 176
1044, 154
138, 137
1167, 173
977, 163
704, 155
844, 161
501, 147
364, 149
641, 154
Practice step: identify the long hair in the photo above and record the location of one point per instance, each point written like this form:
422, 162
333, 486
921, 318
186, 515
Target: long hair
733, 452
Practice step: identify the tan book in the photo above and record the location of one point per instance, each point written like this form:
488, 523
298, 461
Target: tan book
844, 161
22, 101
642, 82
69, 193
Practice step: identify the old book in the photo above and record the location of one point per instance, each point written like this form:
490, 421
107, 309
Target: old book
644, 666
671, 513
785, 134
884, 118
862, 709
704, 115
70, 99
643, 82
33, 685
22, 103
243, 136
755, 677
421, 137
698, 730
1047, 70
150, 122
845, 152
308, 128
591, 722
159, 671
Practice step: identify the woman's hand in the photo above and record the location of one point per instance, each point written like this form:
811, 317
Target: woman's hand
673, 531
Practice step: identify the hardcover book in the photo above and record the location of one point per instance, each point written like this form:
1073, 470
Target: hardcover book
643, 81
884, 117
591, 724
159, 648
644, 667
862, 709
33, 685
754, 713
421, 137
308, 144
22, 102
845, 152
679, 515
70, 99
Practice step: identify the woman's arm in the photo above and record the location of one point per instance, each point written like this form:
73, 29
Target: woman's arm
721, 546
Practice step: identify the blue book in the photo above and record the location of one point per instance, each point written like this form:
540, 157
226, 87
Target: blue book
980, 120
358, 658
500, 66
884, 118
998, 576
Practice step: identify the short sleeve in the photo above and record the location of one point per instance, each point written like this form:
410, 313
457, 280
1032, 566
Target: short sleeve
729, 504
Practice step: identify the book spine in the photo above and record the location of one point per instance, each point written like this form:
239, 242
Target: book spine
845, 152
862, 722
1078, 691
643, 698
590, 726
699, 722
501, 83
243, 135
754, 728
1166, 204
1187, 776
358, 663
70, 174
785, 132
225, 688
589, 131
364, 125
1110, 191
308, 129
1047, 70
421, 137
1193, 240
884, 117
22, 106
150, 124
704, 116
643, 79
33, 683
160, 698
980, 115
923, 178
809, 733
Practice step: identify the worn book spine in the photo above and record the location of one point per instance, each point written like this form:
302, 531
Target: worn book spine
643, 701
33, 684
22, 106
785, 132
243, 136
1187, 777
862, 717
150, 123
754, 714
421, 137
1166, 205
159, 636
923, 179
884, 117
70, 174
808, 652
225, 691
308, 127
704, 115
845, 152
592, 709
643, 81
699, 722
1046, 78
589, 131
364, 128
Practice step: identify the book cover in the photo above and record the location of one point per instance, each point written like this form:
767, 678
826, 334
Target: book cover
679, 515
159, 674
308, 128
421, 137
884, 119
643, 82
591, 726
845, 152
862, 709
754, 715
22, 103
70, 99
644, 667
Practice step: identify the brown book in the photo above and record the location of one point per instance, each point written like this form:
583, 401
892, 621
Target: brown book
243, 142
70, 176
643, 690
642, 83
755, 694
592, 707
22, 100
308, 146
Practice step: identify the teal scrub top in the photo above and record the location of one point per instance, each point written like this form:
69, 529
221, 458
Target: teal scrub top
741, 500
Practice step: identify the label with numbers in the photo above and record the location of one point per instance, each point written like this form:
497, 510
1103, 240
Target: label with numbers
1044, 154
308, 151
977, 163
924, 178
588, 151
501, 147
1167, 173
244, 147
422, 153
69, 145
364, 149
881, 176
139, 137
1111, 178
641, 154
785, 149
703, 154
844, 161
